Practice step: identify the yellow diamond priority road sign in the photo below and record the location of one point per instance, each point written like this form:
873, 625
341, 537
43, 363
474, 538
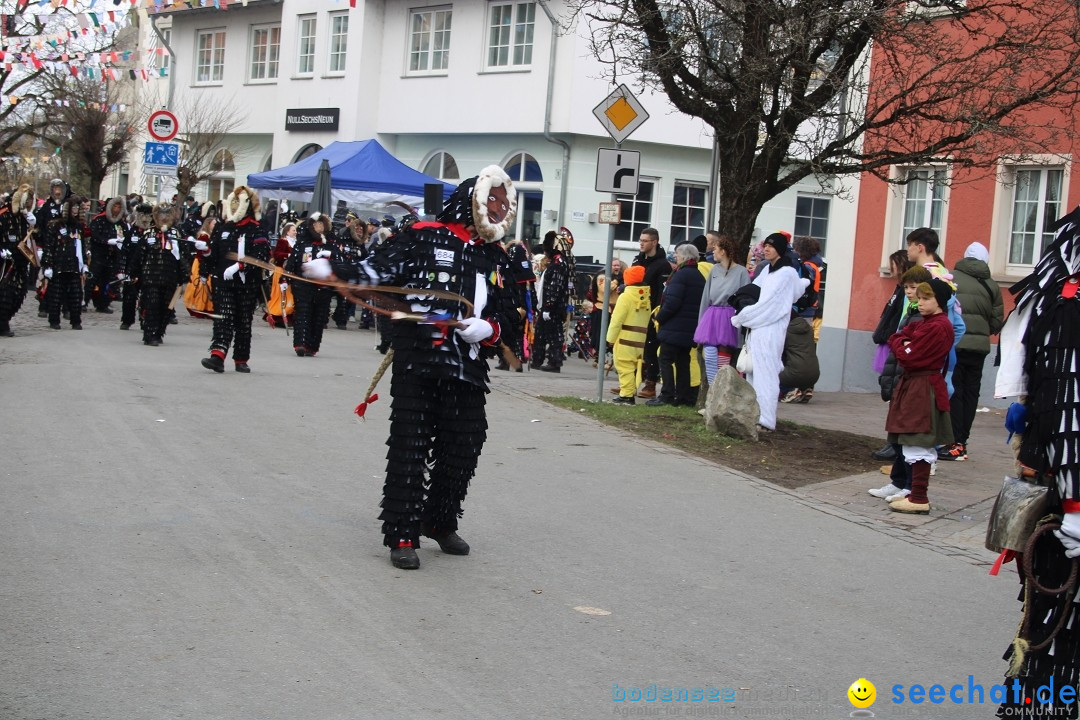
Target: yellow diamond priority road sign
620, 113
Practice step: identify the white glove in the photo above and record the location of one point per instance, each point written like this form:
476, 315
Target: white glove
121, 277
30, 219
115, 242
201, 246
40, 252
546, 315
202, 280
1069, 534
283, 287
5, 254
82, 268
48, 273
475, 330
318, 269
323, 254
230, 272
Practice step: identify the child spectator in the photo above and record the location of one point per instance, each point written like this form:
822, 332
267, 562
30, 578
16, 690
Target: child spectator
627, 329
918, 418
899, 485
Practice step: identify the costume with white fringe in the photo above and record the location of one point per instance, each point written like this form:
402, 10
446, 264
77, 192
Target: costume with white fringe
438, 422
237, 289
15, 223
1040, 349
108, 231
64, 261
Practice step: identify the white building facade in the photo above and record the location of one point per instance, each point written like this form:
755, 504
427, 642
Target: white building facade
450, 87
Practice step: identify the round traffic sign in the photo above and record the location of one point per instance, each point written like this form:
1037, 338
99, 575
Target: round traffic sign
163, 125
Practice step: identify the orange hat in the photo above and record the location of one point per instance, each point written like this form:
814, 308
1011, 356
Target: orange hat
634, 275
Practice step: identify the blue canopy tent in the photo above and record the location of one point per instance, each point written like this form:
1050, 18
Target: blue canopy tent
362, 173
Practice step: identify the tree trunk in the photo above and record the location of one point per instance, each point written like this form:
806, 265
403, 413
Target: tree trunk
738, 211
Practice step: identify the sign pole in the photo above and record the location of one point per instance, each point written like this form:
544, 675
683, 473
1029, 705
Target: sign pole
605, 317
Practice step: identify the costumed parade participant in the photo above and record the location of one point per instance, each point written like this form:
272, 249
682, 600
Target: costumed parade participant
311, 302
351, 243
236, 287
554, 293
281, 304
50, 210
521, 277
197, 296
438, 423
160, 275
17, 270
130, 263
1040, 350
767, 321
64, 262
108, 230
627, 331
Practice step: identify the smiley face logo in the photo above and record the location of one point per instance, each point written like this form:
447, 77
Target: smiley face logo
862, 693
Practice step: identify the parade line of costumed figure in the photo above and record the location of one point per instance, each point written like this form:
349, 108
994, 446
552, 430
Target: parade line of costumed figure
1040, 351
64, 261
108, 230
236, 287
160, 273
438, 422
17, 270
130, 268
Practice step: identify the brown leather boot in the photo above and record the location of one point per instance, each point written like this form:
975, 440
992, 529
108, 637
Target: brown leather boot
648, 390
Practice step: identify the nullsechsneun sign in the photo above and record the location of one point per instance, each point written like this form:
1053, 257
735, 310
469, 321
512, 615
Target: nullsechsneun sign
312, 119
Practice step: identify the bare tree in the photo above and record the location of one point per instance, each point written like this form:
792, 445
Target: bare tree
204, 126
30, 80
793, 88
92, 128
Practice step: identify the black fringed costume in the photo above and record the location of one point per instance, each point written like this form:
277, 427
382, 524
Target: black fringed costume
236, 297
520, 282
160, 275
15, 268
1048, 317
129, 265
108, 231
554, 297
438, 423
65, 256
311, 303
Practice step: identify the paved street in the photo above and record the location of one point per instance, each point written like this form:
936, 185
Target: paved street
180, 544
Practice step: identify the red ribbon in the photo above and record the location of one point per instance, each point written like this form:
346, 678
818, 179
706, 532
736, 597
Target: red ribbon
361, 409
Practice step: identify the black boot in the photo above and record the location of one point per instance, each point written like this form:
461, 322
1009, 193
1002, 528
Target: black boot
449, 542
214, 363
405, 558
888, 452
242, 367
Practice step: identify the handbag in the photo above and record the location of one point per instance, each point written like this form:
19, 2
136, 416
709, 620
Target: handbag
745, 363
1019, 506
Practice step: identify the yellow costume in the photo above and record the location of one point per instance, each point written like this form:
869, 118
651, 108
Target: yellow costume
626, 332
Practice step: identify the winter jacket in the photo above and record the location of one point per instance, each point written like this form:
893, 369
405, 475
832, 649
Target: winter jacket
629, 322
891, 316
892, 370
657, 270
980, 303
801, 368
923, 359
678, 314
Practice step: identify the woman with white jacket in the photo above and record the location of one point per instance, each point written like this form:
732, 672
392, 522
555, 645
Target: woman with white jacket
767, 321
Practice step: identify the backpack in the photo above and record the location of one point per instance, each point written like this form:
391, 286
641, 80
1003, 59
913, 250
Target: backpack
809, 299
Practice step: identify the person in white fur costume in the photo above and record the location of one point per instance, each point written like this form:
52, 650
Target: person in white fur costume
767, 321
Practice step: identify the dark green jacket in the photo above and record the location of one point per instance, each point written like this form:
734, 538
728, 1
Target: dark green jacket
980, 303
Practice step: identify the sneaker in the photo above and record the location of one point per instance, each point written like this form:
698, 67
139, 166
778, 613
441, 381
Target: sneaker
886, 452
658, 400
933, 469
624, 400
884, 492
956, 452
792, 396
807, 395
898, 496
903, 505
886, 469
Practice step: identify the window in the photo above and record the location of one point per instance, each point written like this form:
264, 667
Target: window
305, 45
429, 41
688, 212
306, 152
936, 8
510, 37
265, 50
166, 58
1036, 205
812, 218
221, 184
523, 167
924, 201
339, 42
159, 51
636, 212
442, 166
210, 56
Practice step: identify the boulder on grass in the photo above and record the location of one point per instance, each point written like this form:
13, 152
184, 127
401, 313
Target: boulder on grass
731, 406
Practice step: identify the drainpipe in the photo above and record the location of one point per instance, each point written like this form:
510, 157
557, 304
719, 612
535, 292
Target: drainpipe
168, 48
547, 112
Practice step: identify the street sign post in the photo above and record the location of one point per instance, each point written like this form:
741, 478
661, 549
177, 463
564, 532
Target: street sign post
161, 159
617, 171
163, 125
620, 113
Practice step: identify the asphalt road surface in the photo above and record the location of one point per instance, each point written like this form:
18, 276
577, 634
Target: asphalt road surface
180, 544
